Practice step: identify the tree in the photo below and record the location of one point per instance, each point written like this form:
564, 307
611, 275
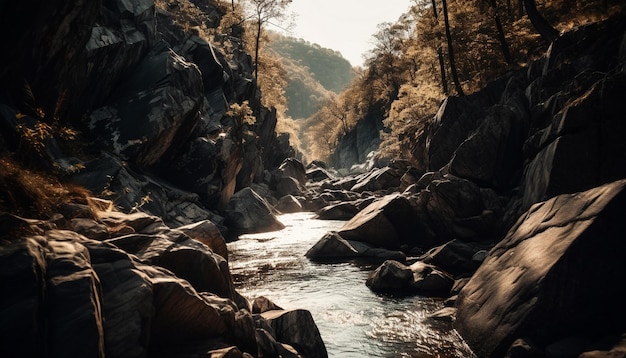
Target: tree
263, 11
455, 76
543, 27
504, 45
442, 66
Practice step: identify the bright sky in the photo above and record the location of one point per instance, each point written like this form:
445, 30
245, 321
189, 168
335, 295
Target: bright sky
344, 25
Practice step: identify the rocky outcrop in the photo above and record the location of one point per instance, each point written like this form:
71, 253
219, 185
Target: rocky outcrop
542, 284
151, 109
150, 87
141, 289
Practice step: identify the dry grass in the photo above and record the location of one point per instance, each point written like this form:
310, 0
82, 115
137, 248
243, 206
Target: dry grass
28, 193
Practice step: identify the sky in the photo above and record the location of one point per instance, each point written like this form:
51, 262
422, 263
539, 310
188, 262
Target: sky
346, 26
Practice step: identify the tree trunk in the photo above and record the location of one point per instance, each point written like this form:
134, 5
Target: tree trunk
547, 32
233, 3
501, 37
256, 51
442, 65
455, 76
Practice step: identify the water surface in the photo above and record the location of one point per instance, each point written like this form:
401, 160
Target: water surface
353, 321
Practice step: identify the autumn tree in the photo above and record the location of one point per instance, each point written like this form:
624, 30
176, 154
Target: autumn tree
264, 11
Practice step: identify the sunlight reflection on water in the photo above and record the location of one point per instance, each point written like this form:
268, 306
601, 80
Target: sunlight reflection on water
353, 321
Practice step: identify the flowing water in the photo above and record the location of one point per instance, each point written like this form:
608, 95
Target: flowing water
353, 321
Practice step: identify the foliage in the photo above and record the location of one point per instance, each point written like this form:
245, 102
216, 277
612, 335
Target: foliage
312, 72
407, 74
326, 66
34, 194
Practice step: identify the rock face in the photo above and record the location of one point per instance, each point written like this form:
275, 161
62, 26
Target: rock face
156, 87
141, 290
553, 276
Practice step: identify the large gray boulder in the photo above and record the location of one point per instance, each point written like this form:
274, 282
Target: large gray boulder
247, 212
555, 275
388, 223
297, 328
332, 247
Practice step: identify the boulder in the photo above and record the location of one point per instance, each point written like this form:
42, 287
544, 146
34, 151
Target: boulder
52, 283
391, 276
187, 258
287, 186
293, 168
331, 246
388, 223
318, 174
127, 301
263, 304
288, 204
455, 257
457, 208
542, 282
379, 179
297, 328
207, 233
247, 212
340, 211
419, 278
208, 167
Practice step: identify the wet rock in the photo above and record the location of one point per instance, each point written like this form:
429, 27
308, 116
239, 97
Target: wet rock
263, 304
395, 277
455, 257
297, 328
331, 246
391, 276
446, 314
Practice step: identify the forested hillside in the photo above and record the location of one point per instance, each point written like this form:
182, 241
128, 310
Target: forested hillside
313, 73
440, 48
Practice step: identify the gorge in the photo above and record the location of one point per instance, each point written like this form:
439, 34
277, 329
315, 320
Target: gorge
505, 212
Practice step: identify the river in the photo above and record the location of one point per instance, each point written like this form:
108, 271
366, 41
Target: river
353, 321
